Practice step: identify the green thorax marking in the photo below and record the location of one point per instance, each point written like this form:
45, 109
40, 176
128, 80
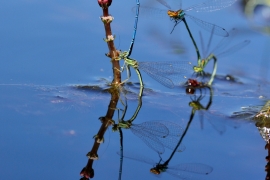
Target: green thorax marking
129, 61
181, 14
201, 64
125, 124
196, 105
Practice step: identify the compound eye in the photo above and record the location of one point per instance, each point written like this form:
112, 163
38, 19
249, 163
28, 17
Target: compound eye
190, 90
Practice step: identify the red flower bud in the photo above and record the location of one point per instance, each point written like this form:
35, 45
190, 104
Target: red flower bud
104, 3
87, 173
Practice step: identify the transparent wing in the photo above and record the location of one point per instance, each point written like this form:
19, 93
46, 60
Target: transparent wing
168, 73
180, 174
175, 4
209, 27
246, 112
156, 128
162, 79
219, 121
151, 12
170, 142
211, 5
137, 157
150, 140
174, 129
202, 45
168, 133
217, 124
234, 48
225, 41
193, 168
164, 3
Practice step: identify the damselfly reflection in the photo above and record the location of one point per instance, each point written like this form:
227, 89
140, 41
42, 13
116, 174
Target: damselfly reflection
216, 119
184, 171
155, 134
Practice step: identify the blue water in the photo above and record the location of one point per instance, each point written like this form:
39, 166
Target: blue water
47, 48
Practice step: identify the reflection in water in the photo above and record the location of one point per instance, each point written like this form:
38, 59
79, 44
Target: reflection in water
261, 116
158, 135
217, 120
58, 98
185, 170
88, 171
155, 134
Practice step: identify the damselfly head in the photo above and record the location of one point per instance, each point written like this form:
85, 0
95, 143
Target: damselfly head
193, 82
190, 90
155, 171
191, 86
115, 128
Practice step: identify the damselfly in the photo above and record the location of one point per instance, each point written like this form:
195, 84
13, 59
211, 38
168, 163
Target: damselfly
135, 28
183, 170
219, 51
160, 71
179, 15
155, 134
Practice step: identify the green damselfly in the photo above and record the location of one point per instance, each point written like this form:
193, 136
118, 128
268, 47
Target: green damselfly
220, 50
176, 73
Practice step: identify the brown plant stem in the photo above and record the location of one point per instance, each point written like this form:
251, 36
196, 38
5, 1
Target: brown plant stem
106, 122
267, 167
113, 53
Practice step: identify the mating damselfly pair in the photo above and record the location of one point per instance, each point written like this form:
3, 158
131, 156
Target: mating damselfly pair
176, 73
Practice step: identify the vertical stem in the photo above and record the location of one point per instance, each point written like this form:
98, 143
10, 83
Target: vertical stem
106, 122
267, 167
113, 53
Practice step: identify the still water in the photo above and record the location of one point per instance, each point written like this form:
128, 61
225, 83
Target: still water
53, 81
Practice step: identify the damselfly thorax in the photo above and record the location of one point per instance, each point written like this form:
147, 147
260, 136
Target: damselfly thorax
176, 15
